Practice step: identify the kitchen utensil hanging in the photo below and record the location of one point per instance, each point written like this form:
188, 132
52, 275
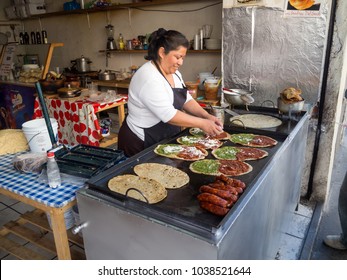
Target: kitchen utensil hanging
252, 47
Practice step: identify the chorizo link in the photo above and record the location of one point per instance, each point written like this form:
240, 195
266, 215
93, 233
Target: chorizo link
238, 190
218, 192
223, 178
213, 199
231, 181
224, 187
239, 184
214, 209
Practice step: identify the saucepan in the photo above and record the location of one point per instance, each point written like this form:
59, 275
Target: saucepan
69, 92
107, 75
238, 96
294, 107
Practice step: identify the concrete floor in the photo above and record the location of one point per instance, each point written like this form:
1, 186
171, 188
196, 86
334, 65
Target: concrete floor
325, 218
303, 241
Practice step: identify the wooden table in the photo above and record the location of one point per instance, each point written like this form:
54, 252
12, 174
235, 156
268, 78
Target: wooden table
27, 189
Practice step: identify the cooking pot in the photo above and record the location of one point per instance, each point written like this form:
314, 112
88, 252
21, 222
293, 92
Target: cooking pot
295, 107
238, 96
82, 64
107, 75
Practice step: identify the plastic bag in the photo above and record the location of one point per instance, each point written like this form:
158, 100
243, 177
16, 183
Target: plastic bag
65, 178
30, 163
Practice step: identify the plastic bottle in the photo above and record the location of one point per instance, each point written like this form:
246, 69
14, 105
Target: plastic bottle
53, 172
121, 42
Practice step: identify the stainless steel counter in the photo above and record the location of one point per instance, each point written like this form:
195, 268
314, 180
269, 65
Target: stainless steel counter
116, 228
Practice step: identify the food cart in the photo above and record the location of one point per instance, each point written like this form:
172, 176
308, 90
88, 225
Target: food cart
115, 226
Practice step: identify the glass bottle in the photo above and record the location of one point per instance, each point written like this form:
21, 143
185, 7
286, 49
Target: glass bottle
38, 37
26, 38
33, 37
121, 42
44, 37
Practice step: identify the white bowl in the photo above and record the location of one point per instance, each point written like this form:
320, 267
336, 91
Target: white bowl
213, 41
30, 66
215, 44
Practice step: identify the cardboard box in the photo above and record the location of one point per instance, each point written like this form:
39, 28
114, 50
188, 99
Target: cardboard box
35, 9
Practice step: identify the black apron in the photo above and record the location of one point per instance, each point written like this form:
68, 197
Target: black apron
162, 130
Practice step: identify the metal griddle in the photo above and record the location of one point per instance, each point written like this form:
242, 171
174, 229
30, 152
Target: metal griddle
181, 208
82, 160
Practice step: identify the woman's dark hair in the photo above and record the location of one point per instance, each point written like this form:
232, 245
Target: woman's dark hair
168, 39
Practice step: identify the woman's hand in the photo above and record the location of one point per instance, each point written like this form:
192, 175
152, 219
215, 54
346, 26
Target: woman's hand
212, 126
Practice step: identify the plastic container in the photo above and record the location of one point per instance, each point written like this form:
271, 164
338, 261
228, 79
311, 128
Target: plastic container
53, 172
192, 88
202, 77
211, 89
36, 133
68, 217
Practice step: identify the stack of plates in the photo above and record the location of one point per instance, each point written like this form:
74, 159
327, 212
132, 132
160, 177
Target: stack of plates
213, 44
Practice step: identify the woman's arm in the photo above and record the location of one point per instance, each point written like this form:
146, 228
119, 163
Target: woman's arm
197, 117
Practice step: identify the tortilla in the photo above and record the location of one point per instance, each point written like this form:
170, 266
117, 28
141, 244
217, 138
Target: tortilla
239, 153
170, 177
252, 140
217, 167
200, 141
183, 152
151, 189
256, 121
199, 132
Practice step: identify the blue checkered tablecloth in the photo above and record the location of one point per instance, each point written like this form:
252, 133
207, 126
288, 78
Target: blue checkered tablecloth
27, 184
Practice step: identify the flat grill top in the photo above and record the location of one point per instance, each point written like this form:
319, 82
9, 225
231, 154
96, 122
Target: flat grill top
181, 207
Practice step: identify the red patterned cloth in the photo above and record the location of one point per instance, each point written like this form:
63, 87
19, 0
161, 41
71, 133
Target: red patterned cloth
77, 120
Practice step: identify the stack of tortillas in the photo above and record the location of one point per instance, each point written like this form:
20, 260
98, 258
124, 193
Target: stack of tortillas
143, 189
256, 121
151, 183
170, 177
12, 141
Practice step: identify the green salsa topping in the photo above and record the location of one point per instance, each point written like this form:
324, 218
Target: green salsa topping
226, 152
197, 131
242, 138
206, 166
169, 149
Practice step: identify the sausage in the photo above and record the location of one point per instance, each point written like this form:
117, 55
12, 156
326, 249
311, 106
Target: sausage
223, 178
230, 181
221, 193
224, 187
213, 199
238, 190
239, 184
214, 209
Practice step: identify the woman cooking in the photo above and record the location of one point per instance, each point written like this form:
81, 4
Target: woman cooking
158, 103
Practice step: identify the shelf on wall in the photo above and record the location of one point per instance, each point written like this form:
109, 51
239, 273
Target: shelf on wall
145, 51
113, 7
